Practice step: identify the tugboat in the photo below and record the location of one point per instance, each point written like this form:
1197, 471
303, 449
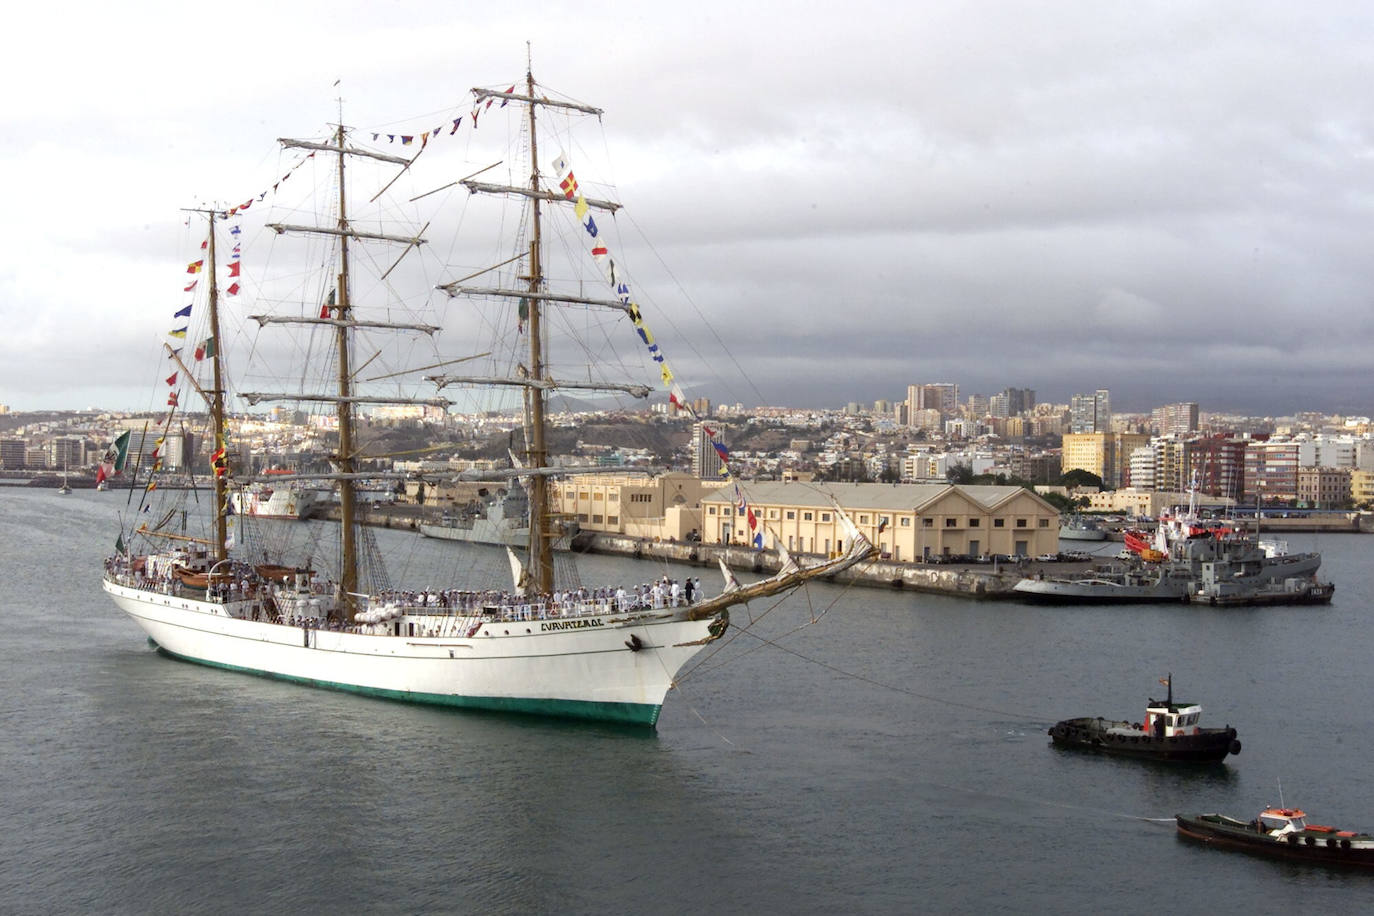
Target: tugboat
1281, 833
1170, 732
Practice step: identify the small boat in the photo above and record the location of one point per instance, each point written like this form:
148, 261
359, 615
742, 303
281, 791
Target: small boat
1170, 732
1281, 833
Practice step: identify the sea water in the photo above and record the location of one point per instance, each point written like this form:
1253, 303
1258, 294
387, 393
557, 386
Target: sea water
843, 750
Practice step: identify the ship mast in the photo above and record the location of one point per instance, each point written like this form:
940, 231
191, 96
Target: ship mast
215, 396
339, 316
348, 548
541, 551
535, 378
217, 408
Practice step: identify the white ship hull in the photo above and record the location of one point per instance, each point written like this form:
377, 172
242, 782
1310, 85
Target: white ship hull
279, 502
580, 667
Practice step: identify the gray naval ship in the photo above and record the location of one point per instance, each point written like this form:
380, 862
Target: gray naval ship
501, 518
1206, 568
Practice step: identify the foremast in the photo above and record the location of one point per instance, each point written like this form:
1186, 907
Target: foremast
541, 548
536, 381
214, 398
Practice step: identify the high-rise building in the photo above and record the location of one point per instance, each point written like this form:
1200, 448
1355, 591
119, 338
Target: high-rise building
1019, 401
1175, 419
1091, 413
705, 458
941, 396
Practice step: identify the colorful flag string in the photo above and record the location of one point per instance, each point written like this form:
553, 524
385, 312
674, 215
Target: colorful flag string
601, 254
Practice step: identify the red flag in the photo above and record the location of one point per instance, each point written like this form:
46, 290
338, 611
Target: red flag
190, 286
172, 379
194, 266
234, 269
172, 399
233, 289
203, 244
324, 311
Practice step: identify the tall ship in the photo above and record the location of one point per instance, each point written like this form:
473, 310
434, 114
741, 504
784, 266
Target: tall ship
337, 620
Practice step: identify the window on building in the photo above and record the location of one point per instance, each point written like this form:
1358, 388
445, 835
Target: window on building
974, 522
806, 516
613, 520
710, 510
863, 519
596, 520
999, 523
791, 514
951, 523
1020, 523
1044, 523
825, 516
906, 521
613, 496
927, 523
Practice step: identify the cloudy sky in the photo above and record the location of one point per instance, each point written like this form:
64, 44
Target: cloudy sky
1170, 200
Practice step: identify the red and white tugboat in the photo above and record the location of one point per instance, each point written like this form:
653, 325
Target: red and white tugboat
1281, 833
1170, 732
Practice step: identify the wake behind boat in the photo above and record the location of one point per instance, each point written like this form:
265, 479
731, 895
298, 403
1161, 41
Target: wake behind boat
536, 645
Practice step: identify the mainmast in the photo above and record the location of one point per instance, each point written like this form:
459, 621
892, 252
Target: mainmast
348, 547
338, 315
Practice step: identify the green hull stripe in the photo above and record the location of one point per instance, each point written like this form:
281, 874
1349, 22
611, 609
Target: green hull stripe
634, 713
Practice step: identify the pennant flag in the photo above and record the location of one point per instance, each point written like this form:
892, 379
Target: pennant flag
504, 102
194, 266
175, 353
234, 268
233, 289
119, 544
235, 229
204, 244
190, 286
172, 379
205, 349
677, 398
172, 399
219, 461
179, 332
183, 313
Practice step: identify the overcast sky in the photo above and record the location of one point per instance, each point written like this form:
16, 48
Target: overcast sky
1170, 200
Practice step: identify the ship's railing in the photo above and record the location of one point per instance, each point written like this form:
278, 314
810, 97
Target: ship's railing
513, 608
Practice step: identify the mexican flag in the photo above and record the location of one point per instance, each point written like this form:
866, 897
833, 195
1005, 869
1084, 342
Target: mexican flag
115, 457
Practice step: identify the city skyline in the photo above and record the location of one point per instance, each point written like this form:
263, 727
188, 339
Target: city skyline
1166, 201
